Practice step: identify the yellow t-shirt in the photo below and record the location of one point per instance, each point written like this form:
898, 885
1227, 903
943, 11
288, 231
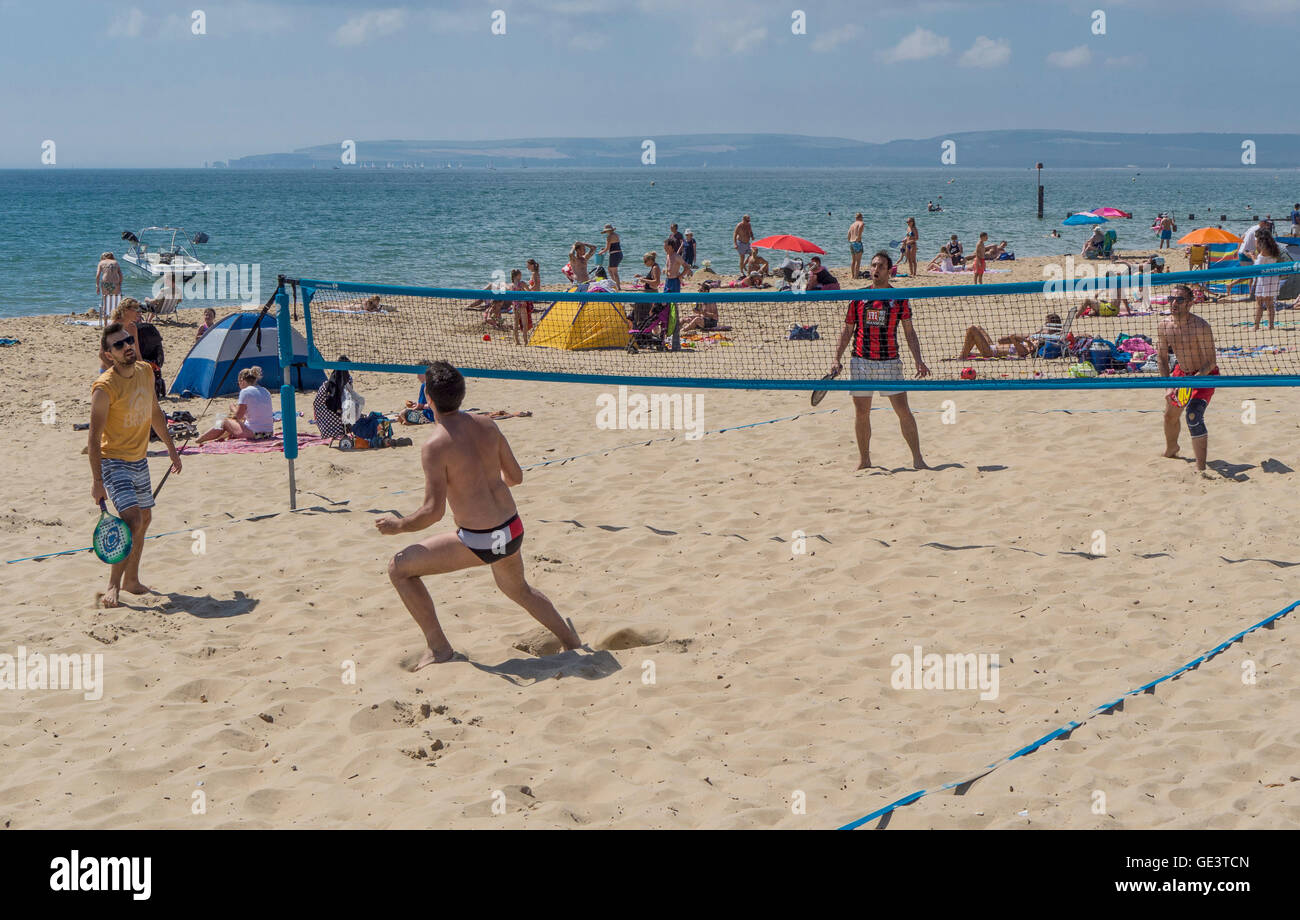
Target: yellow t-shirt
130, 411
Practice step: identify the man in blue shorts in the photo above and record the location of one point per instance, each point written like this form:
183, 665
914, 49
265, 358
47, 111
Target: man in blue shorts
855, 246
468, 465
123, 407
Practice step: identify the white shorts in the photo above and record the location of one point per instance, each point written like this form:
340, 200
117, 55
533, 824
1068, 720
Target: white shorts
868, 370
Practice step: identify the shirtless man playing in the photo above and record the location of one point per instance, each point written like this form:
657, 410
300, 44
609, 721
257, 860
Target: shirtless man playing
741, 237
469, 466
855, 245
1192, 342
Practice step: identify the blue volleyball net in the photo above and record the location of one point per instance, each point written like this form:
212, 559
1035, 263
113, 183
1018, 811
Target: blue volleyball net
1100, 331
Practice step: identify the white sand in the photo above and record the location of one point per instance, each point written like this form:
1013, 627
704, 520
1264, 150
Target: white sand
771, 670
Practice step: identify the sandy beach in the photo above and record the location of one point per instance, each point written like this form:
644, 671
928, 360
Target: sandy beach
744, 596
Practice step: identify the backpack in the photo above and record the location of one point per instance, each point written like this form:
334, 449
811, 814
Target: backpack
373, 426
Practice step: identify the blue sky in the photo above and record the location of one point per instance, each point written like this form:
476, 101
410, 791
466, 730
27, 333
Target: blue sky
130, 84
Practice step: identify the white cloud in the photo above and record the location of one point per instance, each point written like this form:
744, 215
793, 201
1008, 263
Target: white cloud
128, 25
374, 24
986, 52
1080, 56
825, 41
919, 45
715, 34
748, 39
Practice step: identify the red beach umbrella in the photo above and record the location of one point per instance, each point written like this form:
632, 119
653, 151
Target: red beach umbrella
787, 243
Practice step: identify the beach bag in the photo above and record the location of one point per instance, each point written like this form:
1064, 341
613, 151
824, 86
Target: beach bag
1050, 350
1104, 356
372, 427
804, 333
352, 405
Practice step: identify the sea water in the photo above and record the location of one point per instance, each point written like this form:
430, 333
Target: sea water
457, 227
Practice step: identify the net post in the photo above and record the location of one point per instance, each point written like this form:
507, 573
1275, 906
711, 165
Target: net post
288, 397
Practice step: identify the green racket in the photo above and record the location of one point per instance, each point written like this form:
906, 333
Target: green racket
819, 395
112, 539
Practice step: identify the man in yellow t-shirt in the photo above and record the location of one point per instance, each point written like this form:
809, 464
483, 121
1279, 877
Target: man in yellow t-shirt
123, 407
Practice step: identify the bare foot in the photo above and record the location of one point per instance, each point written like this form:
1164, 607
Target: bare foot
865, 463
108, 598
431, 657
1171, 452
135, 587
573, 642
920, 464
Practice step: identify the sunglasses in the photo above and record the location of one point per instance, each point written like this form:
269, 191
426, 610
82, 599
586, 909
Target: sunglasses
122, 343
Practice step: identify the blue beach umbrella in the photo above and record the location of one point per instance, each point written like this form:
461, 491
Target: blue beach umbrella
1083, 217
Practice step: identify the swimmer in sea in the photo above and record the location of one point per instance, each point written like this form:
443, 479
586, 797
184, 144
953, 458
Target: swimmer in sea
468, 465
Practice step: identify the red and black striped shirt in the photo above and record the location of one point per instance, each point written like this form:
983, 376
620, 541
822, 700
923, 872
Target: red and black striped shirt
875, 333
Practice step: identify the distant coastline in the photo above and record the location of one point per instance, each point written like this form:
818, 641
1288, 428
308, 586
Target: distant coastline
1009, 149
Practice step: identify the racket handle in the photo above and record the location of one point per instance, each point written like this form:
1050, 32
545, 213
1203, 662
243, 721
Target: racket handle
103, 507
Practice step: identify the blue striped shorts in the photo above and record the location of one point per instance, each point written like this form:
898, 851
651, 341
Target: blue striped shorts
127, 483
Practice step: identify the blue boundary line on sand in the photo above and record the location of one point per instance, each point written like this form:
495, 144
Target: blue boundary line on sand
1069, 727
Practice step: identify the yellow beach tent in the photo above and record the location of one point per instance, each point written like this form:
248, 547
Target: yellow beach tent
571, 325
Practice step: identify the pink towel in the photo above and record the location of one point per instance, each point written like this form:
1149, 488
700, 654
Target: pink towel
269, 446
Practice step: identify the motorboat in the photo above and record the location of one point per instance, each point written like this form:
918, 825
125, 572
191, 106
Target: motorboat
157, 251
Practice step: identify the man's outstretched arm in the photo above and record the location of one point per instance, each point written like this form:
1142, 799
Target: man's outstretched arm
511, 473
435, 497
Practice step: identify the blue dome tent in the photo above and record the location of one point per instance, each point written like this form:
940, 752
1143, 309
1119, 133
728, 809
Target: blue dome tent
213, 358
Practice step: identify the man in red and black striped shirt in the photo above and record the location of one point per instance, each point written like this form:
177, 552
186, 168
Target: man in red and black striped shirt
872, 326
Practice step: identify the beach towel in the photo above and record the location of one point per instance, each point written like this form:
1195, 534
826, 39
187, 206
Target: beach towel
9, 342
83, 322
969, 271
1251, 351
696, 340
268, 446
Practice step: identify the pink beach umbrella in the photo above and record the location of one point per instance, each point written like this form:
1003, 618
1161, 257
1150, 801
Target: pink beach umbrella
1110, 212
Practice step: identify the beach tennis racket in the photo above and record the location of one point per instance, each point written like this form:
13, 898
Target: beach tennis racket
1183, 396
112, 538
819, 395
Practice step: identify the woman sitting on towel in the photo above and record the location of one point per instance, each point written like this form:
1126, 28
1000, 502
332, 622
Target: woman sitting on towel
328, 403
941, 263
252, 418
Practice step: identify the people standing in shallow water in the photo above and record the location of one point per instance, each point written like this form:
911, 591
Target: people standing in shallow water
469, 467
741, 238
855, 246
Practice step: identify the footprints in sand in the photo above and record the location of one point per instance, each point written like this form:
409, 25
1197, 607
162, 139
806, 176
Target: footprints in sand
203, 691
541, 642
631, 637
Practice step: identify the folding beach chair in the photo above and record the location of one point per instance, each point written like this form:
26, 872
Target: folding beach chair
163, 306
